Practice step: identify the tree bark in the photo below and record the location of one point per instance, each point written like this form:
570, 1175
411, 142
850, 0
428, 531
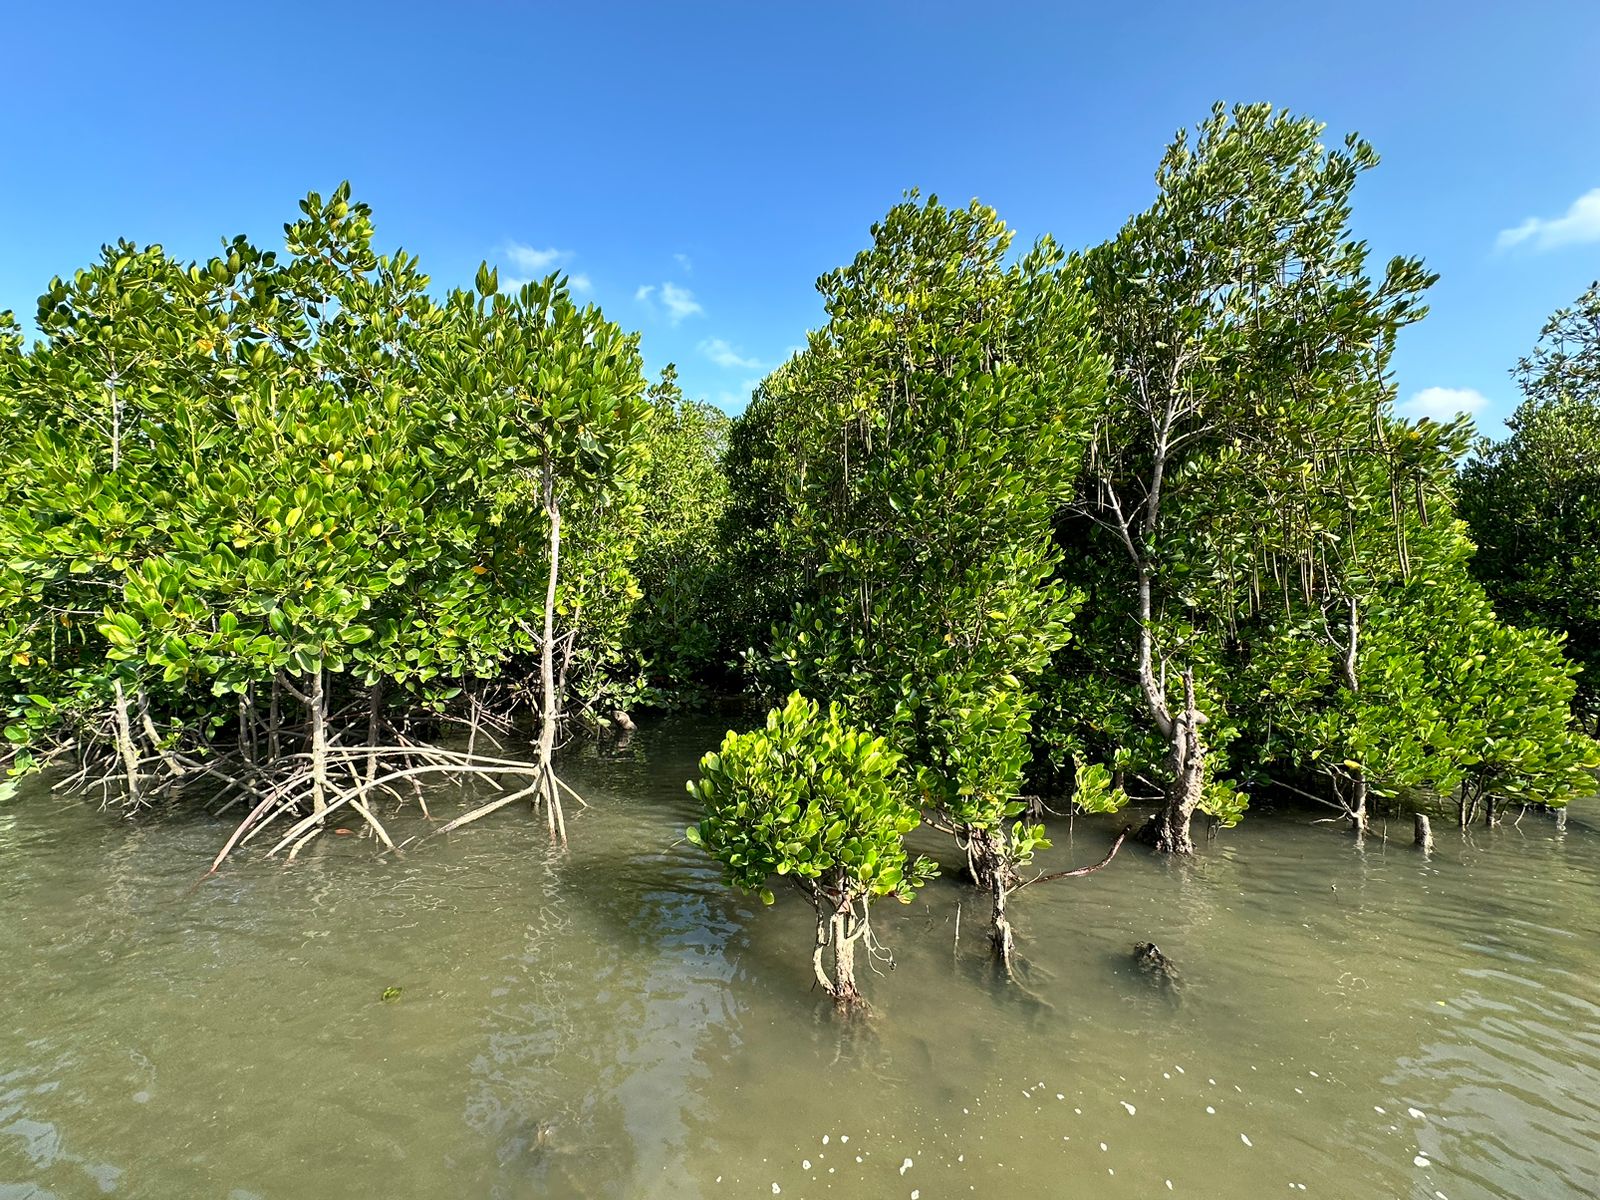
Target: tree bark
126, 749
1422, 833
834, 929
549, 715
374, 710
991, 871
1357, 807
845, 992
275, 721
319, 739
1168, 830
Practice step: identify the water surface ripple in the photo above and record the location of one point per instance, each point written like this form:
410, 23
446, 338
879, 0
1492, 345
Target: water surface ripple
1351, 1022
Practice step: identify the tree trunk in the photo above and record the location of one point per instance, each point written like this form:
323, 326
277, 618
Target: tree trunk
374, 709
834, 929
319, 739
275, 721
1422, 834
1357, 807
126, 749
247, 725
845, 992
547, 669
991, 870
1168, 830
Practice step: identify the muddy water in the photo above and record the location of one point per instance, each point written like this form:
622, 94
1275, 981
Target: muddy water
611, 1022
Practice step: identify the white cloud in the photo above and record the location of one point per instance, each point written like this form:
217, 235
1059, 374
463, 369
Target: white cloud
530, 259
679, 302
1442, 403
685, 262
580, 282
726, 356
1580, 223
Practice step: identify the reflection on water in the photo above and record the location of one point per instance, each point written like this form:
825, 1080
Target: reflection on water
1349, 1023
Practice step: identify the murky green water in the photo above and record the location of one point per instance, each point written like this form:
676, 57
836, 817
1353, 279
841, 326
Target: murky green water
612, 1023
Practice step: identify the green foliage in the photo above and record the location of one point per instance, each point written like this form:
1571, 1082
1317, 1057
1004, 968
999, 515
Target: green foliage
812, 799
265, 469
923, 442
1246, 335
679, 627
1533, 500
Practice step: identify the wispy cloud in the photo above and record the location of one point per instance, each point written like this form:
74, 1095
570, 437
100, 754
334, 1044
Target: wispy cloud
726, 356
530, 258
685, 262
580, 283
679, 302
1580, 223
1443, 404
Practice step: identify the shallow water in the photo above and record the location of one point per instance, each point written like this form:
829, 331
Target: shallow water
612, 1022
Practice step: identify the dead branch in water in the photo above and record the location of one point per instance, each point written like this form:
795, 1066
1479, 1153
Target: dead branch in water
1079, 871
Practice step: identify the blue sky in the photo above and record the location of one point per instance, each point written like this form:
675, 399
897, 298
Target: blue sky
696, 166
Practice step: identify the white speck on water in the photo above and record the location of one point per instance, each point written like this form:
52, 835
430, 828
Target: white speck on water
1060, 1096
824, 1139
719, 1178
1416, 1114
1298, 1092
1129, 1107
1166, 1074
1102, 1145
1210, 1112
1079, 1111
776, 1189
915, 1194
805, 1164
845, 1138
905, 1166
1378, 1108
1212, 1082
1179, 1070
858, 1158
141, 1097
1441, 1196
1421, 1162
1111, 1170
967, 1111
1169, 1185
961, 1158
1245, 1138
1314, 1075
